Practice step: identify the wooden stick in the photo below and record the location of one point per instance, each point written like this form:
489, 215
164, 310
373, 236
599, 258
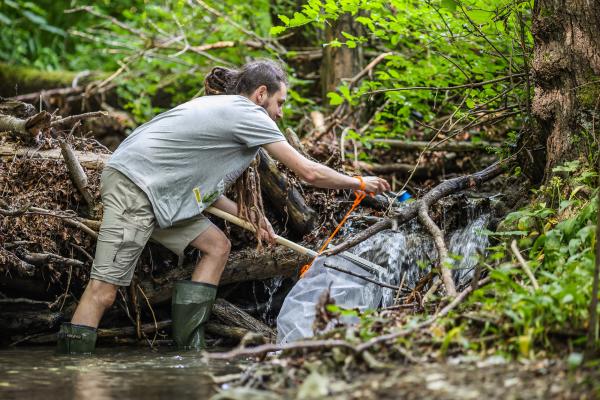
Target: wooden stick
77, 173
438, 238
361, 262
248, 226
75, 118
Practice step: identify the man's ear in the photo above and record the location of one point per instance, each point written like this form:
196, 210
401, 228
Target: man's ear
261, 92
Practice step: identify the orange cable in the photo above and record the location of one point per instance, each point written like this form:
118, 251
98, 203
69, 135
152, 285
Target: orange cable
360, 195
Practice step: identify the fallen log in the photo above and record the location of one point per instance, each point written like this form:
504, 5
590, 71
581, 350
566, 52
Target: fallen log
231, 315
244, 265
27, 317
211, 327
15, 79
87, 159
25, 128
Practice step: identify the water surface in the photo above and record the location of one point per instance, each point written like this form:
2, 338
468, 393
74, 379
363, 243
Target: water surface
113, 373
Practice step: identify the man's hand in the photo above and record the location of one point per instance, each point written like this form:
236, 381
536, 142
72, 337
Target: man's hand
374, 184
266, 231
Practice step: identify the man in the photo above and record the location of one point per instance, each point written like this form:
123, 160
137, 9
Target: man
161, 178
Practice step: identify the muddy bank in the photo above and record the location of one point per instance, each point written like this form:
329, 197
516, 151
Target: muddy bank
456, 378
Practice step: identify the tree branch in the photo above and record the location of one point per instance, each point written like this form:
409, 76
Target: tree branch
411, 210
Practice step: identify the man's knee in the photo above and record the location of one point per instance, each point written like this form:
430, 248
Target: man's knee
222, 248
103, 293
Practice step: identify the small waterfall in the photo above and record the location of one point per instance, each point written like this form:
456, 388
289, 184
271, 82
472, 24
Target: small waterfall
411, 251
271, 286
408, 252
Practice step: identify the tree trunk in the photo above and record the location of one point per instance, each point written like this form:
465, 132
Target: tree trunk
340, 62
566, 68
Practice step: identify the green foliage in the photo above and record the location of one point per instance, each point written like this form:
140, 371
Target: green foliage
434, 44
149, 44
559, 233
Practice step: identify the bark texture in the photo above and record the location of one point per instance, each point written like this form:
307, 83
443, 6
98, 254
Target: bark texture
340, 62
566, 68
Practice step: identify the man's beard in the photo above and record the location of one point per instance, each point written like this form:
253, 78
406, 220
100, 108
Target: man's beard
264, 105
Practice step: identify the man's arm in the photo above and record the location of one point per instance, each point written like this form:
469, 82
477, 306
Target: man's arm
320, 175
226, 204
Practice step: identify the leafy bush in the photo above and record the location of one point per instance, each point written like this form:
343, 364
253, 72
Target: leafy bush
558, 231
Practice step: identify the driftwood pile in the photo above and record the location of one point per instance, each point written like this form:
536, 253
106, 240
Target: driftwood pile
50, 213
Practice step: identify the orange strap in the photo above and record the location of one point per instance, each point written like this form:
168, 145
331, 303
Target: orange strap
360, 195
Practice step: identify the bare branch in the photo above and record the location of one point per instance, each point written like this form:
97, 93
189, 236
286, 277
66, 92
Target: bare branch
75, 118
410, 211
465, 86
523, 263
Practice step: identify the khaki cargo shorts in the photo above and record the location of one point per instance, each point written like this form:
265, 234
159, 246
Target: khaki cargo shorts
127, 225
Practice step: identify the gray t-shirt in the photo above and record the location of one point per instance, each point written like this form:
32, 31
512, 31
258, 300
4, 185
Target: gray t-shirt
185, 158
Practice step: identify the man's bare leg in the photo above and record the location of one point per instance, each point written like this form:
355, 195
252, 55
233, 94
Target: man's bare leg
97, 298
215, 248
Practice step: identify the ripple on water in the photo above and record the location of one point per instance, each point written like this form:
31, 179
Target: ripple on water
113, 373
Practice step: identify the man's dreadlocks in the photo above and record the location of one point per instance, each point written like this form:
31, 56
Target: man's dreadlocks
244, 81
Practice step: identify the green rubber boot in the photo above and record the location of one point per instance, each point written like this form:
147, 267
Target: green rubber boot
76, 339
191, 306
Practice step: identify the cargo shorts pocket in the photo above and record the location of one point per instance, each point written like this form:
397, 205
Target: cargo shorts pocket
133, 240
108, 243
117, 251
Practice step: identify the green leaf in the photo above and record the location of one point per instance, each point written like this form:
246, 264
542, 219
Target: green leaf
449, 4
348, 36
335, 99
299, 19
36, 19
53, 29
276, 30
345, 91
480, 16
284, 19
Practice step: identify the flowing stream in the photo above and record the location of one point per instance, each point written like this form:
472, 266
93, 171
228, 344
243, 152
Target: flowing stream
113, 373
410, 251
